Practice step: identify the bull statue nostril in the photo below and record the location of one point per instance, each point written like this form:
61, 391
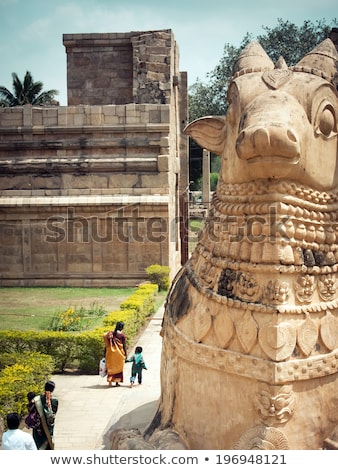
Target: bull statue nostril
261, 138
291, 136
267, 141
240, 144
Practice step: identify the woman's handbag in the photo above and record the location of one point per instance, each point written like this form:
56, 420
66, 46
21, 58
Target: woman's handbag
102, 367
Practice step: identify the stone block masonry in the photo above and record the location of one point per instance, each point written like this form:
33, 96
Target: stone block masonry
89, 192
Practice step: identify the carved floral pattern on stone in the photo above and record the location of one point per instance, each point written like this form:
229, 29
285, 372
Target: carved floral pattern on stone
208, 275
304, 288
263, 438
201, 322
238, 285
226, 283
246, 287
276, 404
327, 286
223, 329
277, 292
307, 336
329, 331
246, 329
278, 341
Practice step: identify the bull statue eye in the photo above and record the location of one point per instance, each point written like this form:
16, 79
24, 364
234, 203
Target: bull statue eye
326, 121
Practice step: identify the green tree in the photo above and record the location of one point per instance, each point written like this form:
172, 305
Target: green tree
26, 92
206, 99
286, 39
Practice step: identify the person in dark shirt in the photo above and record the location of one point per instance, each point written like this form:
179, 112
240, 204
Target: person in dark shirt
137, 366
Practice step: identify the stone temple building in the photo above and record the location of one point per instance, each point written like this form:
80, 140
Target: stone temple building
94, 192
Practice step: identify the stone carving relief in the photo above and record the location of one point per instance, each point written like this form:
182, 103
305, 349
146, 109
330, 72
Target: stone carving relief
307, 335
277, 292
202, 323
263, 438
305, 286
224, 329
246, 287
275, 404
208, 275
278, 341
329, 331
246, 330
327, 286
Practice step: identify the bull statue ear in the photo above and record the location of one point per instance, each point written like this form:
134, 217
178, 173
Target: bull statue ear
322, 61
253, 58
208, 132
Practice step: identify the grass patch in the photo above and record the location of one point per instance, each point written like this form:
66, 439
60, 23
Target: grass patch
32, 308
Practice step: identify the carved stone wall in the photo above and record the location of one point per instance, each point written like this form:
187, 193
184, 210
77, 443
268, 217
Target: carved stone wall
90, 192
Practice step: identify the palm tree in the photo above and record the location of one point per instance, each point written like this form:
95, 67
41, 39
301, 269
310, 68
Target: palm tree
26, 92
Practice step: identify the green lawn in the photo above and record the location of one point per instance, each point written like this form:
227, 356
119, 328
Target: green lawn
27, 308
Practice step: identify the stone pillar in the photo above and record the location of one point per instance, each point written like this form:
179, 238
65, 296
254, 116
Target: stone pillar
206, 178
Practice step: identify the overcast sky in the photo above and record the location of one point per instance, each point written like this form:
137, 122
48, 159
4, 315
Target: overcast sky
31, 30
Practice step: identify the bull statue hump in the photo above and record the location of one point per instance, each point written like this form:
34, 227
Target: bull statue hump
250, 331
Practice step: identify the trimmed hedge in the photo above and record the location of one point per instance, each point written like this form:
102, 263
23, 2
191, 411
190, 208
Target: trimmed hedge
159, 275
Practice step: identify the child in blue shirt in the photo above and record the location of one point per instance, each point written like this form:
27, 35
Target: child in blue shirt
137, 366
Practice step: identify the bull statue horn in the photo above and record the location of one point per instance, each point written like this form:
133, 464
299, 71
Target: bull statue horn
281, 64
322, 61
253, 58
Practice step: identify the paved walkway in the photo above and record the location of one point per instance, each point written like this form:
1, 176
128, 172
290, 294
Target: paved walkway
89, 410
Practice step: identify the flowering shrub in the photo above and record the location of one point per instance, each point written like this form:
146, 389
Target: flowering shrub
20, 374
66, 321
76, 319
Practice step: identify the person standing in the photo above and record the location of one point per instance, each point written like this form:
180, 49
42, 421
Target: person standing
137, 366
47, 406
115, 353
14, 438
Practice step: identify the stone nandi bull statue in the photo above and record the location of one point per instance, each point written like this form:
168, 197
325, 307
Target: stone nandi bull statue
250, 332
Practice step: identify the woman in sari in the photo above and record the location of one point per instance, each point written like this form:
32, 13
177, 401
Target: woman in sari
47, 406
116, 353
